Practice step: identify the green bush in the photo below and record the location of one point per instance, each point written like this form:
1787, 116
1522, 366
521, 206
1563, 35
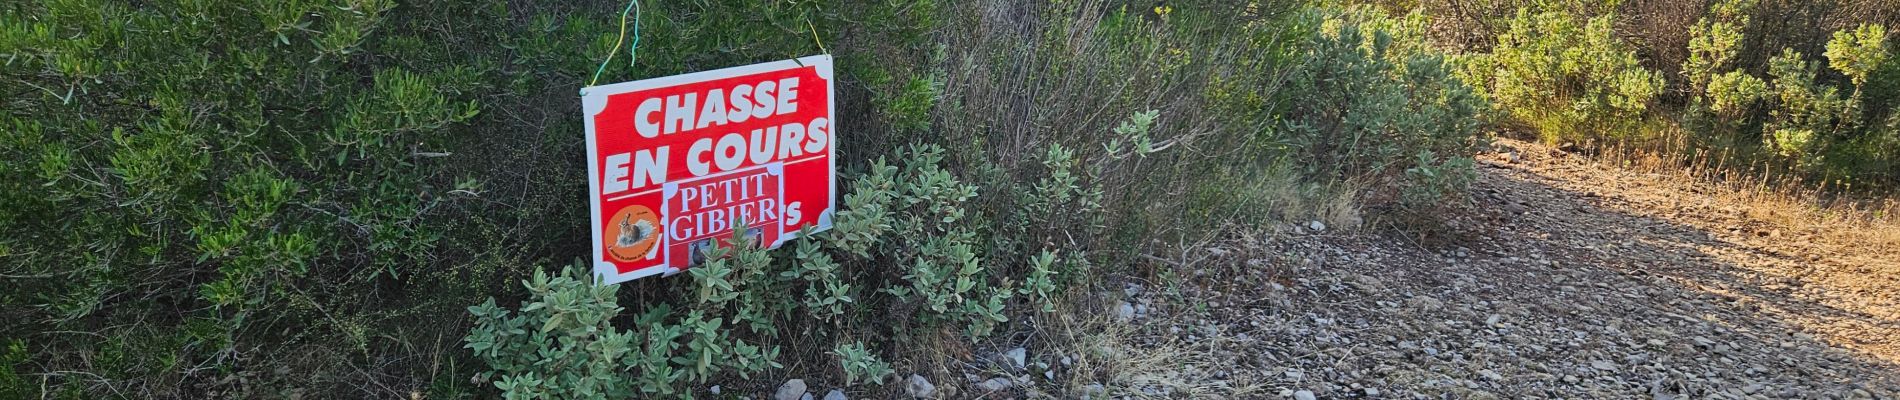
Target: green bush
1569, 80
263, 198
860, 366
562, 344
1395, 120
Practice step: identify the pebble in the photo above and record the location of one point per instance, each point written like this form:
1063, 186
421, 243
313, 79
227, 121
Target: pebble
835, 394
791, 390
1094, 389
1018, 357
1125, 311
1304, 395
919, 387
996, 384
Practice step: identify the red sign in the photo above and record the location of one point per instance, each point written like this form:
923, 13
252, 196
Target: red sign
675, 162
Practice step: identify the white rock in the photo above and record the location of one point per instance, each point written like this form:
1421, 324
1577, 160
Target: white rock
996, 384
1125, 311
1316, 226
791, 390
1372, 392
834, 394
714, 389
1018, 357
1094, 390
919, 387
1304, 395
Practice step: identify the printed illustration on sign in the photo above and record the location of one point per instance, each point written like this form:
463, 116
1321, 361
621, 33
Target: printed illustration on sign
634, 231
675, 162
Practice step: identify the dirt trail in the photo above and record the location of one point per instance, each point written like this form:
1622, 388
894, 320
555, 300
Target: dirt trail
1572, 280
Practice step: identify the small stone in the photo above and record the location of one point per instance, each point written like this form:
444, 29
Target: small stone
791, 390
919, 387
1372, 392
1295, 374
1603, 365
1017, 357
834, 394
806, 396
1304, 394
1491, 375
1067, 361
714, 389
996, 384
1316, 226
1125, 311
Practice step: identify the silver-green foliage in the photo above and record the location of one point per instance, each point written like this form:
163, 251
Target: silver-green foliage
561, 344
860, 365
1395, 120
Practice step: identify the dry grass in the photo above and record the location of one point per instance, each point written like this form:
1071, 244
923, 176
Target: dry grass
1774, 197
1128, 363
1802, 253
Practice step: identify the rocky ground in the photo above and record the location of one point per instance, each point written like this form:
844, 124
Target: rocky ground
1571, 280
1568, 279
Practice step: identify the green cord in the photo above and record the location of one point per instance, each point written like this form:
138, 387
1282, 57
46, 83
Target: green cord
633, 7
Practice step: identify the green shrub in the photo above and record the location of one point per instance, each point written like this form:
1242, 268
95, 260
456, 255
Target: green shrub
1715, 41
1570, 80
1398, 122
560, 342
12, 385
860, 365
218, 188
1858, 53
562, 345
1807, 112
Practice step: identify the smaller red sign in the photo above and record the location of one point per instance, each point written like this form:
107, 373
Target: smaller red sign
702, 212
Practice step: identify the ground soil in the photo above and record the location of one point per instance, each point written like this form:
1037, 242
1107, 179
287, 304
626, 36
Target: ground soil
1568, 279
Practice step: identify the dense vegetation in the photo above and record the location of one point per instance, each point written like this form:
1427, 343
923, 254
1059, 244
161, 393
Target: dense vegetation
1805, 89
303, 198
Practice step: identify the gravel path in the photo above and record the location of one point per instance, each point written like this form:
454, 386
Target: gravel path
1572, 280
